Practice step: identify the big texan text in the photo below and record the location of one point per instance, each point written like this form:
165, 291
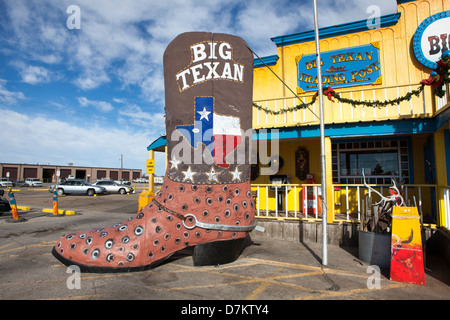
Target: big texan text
210, 61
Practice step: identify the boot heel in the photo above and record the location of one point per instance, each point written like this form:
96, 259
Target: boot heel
218, 252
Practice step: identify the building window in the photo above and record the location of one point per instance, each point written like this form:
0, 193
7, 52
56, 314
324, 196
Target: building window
380, 160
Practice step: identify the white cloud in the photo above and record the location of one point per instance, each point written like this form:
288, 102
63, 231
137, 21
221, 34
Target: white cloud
119, 100
343, 11
90, 146
134, 115
32, 74
102, 106
8, 96
125, 40
91, 80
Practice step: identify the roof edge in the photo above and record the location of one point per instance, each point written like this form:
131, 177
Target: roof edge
336, 30
158, 144
269, 60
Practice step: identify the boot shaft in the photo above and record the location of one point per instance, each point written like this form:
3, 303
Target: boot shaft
208, 92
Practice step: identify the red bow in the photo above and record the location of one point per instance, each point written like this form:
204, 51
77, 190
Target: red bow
436, 81
329, 92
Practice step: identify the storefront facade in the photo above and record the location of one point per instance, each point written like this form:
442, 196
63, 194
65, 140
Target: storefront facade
379, 118
407, 139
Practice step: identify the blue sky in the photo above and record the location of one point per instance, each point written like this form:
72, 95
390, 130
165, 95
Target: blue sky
87, 96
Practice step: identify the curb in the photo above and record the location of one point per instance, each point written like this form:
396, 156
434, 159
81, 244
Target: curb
66, 212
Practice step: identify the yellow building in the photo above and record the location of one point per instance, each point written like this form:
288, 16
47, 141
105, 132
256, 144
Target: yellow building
362, 61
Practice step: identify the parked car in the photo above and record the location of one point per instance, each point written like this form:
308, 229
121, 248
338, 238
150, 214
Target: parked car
20, 183
114, 187
5, 183
122, 181
34, 182
4, 203
77, 187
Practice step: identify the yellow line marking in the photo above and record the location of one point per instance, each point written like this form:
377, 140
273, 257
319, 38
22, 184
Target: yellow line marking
7, 245
249, 279
287, 264
273, 280
42, 244
352, 292
203, 269
254, 295
89, 296
302, 266
84, 276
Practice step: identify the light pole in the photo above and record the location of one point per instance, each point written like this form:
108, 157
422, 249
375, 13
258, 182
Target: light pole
322, 140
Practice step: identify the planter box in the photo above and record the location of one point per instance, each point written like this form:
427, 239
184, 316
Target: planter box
375, 248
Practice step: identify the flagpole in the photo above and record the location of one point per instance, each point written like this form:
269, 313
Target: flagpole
322, 140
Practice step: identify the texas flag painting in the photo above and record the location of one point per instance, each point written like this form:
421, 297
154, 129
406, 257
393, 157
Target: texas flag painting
221, 134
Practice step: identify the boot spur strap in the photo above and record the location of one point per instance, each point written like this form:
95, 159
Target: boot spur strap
160, 206
224, 227
192, 222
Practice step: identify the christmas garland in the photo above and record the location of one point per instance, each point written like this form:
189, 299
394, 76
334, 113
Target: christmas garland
297, 107
438, 77
331, 93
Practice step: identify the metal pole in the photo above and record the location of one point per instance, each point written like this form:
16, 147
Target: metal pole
322, 140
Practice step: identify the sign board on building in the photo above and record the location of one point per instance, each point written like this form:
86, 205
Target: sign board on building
432, 38
355, 66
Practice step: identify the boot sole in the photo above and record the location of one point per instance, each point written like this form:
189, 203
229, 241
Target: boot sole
99, 269
205, 254
218, 252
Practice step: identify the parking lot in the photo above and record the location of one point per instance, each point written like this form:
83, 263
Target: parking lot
267, 269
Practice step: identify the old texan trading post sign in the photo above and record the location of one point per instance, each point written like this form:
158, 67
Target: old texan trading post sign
355, 66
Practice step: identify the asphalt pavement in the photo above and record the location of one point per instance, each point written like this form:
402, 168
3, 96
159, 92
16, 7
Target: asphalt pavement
266, 270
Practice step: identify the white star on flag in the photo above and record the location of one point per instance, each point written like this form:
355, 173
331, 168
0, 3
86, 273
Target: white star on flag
212, 175
174, 163
236, 174
204, 114
189, 175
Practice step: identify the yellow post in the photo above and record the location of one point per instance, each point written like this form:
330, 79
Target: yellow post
147, 195
55, 201
329, 180
13, 205
441, 172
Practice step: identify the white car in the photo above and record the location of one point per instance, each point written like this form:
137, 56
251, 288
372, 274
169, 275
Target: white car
5, 183
33, 182
123, 181
114, 187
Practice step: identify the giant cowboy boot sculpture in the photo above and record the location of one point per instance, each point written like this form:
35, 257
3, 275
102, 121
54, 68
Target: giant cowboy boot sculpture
205, 200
